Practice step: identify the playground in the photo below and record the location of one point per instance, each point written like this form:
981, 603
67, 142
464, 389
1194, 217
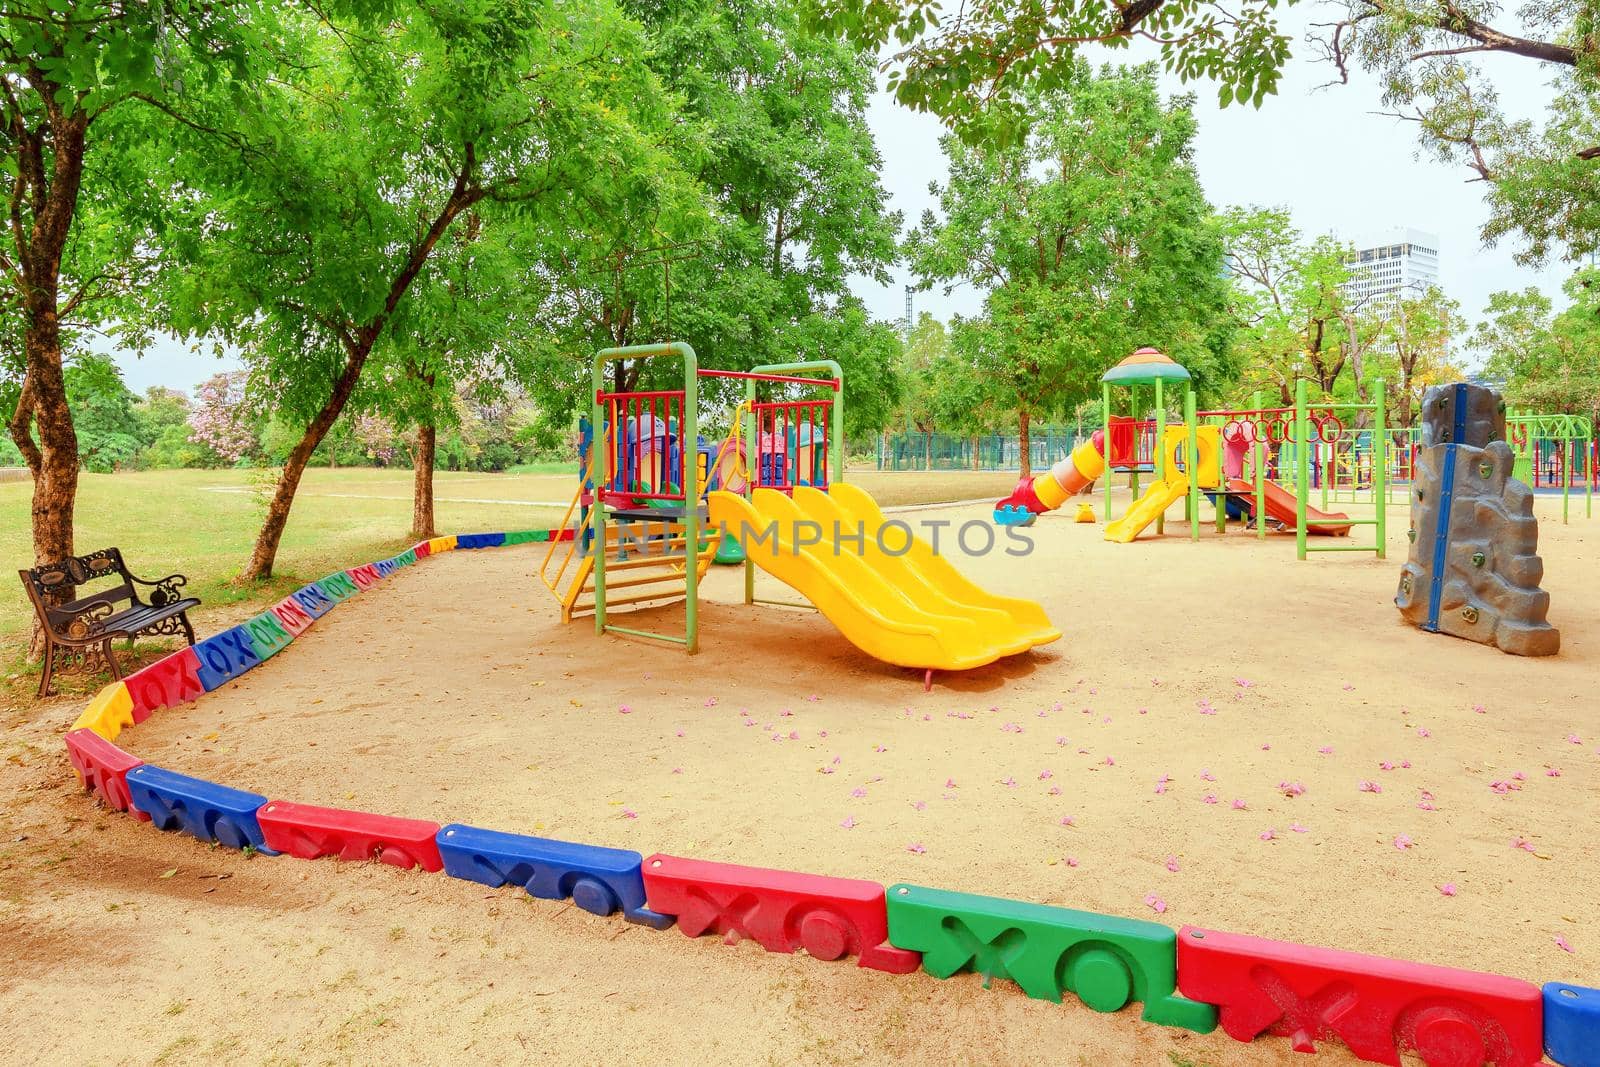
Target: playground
1190, 670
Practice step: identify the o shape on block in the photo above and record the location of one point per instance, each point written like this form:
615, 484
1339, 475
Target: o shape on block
1100, 975
826, 936
593, 896
1445, 1037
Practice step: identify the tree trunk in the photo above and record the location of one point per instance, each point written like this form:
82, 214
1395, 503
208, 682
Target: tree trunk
1024, 443
422, 481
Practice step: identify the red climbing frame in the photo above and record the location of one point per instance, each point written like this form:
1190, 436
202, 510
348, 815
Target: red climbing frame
643, 432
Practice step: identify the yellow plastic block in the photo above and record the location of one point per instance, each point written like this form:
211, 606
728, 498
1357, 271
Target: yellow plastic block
109, 711
442, 544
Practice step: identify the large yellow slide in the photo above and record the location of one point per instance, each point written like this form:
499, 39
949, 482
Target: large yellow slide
911, 608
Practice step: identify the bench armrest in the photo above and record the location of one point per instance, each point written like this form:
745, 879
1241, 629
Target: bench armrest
166, 589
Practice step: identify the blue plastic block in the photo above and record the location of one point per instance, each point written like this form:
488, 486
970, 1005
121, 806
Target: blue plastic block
599, 880
209, 811
225, 657
480, 540
315, 602
1571, 1024
384, 567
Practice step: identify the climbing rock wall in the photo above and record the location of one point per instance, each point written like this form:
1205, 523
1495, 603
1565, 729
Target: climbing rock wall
1473, 569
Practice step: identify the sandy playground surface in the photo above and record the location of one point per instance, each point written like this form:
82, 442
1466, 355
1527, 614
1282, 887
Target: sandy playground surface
453, 693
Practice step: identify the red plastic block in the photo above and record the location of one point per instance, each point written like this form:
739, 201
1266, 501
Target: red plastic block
293, 616
421, 549
781, 910
310, 833
1378, 1007
103, 768
365, 576
174, 679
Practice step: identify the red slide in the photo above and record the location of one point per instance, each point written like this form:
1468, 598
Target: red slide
1280, 505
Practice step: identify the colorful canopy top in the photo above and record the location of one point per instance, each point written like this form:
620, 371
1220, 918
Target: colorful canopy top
1145, 365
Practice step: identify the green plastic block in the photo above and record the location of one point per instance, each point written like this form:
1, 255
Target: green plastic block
1106, 961
408, 557
267, 635
338, 586
522, 537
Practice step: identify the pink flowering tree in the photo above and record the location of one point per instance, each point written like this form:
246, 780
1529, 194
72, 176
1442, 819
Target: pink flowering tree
220, 419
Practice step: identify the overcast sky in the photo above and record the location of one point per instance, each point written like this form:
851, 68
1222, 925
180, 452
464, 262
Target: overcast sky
1324, 154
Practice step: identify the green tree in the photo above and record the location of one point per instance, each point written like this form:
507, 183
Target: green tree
1415, 350
307, 205
1091, 236
103, 416
71, 72
1542, 176
786, 207
1549, 363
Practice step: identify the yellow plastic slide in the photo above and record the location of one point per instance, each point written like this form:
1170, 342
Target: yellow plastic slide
1157, 499
899, 609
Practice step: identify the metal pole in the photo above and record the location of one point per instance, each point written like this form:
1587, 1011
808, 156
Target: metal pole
1302, 463
1105, 440
1191, 464
689, 437
1158, 454
1380, 470
1260, 474
598, 544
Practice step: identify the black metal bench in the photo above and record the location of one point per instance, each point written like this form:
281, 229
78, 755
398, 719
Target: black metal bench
86, 626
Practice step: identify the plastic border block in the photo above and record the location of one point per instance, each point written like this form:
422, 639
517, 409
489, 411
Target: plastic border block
267, 635
365, 576
1378, 1007
291, 616
203, 809
225, 656
781, 910
422, 550
102, 767
310, 832
408, 557
437, 545
599, 880
522, 537
312, 600
109, 711
385, 567
1105, 960
337, 586
171, 680
480, 540
1572, 1024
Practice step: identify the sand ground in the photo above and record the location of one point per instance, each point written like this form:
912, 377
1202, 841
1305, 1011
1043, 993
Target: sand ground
453, 693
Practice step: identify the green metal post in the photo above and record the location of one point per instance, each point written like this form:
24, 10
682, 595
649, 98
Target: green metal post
598, 439
1158, 455
1380, 469
1105, 440
1260, 475
1191, 463
1302, 463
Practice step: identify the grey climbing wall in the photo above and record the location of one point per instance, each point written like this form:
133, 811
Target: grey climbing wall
1473, 570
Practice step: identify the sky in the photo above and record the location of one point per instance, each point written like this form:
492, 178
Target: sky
1322, 153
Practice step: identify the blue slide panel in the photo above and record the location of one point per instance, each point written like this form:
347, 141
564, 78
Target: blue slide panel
225, 656
209, 811
599, 880
1571, 1024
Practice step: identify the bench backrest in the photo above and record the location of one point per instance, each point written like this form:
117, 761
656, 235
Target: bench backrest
76, 618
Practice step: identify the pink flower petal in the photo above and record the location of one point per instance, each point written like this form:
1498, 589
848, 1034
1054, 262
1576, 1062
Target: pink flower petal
711, 702
920, 805
1109, 761
1209, 798
1238, 805
1369, 787
1072, 861
1009, 781
1269, 834
1561, 943
1054, 790
680, 733
624, 709
1296, 828
1553, 772
858, 792
1574, 739
1523, 843
1402, 842
849, 822
1156, 904
1172, 864
629, 813
1448, 889
1066, 820
915, 849
1422, 731
1045, 774
1326, 750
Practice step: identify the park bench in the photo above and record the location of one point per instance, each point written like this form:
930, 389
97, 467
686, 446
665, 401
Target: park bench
88, 624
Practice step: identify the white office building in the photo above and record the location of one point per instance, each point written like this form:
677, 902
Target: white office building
1405, 264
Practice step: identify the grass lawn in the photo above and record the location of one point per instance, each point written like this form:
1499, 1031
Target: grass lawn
203, 524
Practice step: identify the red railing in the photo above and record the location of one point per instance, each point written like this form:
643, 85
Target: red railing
644, 448
792, 443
